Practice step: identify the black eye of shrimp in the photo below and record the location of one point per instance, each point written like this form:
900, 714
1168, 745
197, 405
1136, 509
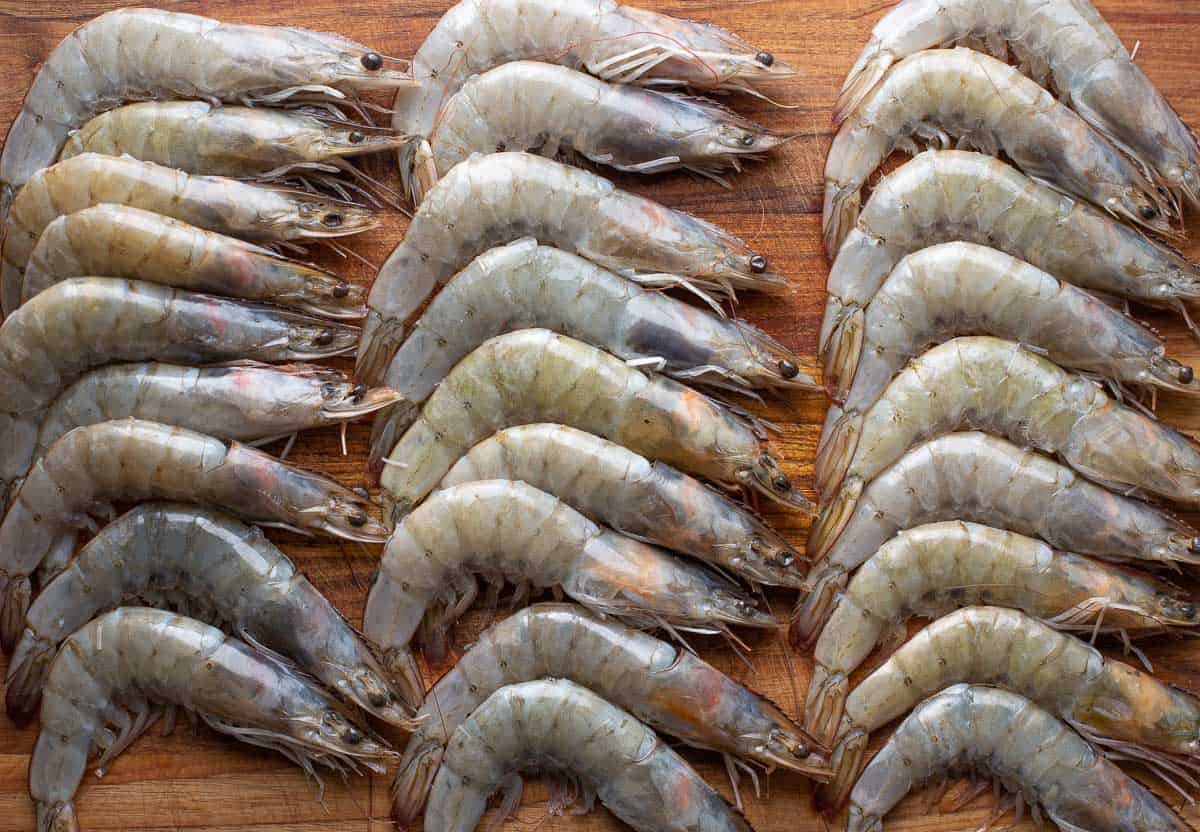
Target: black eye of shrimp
747, 141
332, 220
758, 264
372, 61
765, 58
1149, 213
356, 137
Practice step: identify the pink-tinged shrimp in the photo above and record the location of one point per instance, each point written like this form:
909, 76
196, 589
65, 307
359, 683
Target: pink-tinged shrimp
226, 206
208, 565
491, 200
670, 689
930, 570
92, 467
1064, 45
145, 54
122, 241
509, 531
976, 477
602, 751
535, 375
990, 106
985, 731
622, 44
115, 677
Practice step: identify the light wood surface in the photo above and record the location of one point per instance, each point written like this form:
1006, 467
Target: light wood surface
196, 780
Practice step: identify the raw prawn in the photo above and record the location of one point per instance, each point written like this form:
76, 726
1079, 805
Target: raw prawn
121, 241
990, 106
646, 500
503, 530
130, 460
492, 200
930, 570
1063, 44
600, 749
526, 285
226, 206
210, 566
671, 690
986, 731
534, 375
115, 677
980, 478
1111, 704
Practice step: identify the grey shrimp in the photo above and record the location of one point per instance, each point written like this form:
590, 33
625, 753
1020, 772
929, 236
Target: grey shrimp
115, 677
534, 375
126, 460
560, 113
980, 730
509, 531
983, 479
122, 241
1122, 710
988, 105
83, 323
226, 206
244, 401
622, 44
492, 200
524, 285
949, 195
208, 565
930, 570
985, 383
631, 669
1064, 45
638, 497
143, 54
556, 725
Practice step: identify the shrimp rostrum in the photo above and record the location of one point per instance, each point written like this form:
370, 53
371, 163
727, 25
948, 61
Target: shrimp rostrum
534, 375
115, 677
631, 669
92, 467
509, 531
208, 565
986, 731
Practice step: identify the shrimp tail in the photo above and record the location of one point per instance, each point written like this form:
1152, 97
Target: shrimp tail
56, 817
381, 337
866, 73
832, 520
842, 206
824, 709
843, 354
836, 453
26, 675
418, 173
15, 596
401, 667
413, 781
846, 762
389, 426
812, 613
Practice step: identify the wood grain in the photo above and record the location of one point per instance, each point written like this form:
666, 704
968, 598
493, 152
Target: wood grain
196, 780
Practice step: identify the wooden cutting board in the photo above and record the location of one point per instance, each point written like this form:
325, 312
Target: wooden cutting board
198, 780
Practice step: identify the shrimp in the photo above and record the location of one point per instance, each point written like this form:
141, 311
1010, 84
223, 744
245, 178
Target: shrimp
615, 43
600, 749
130, 460
991, 106
1111, 704
526, 285
256, 142
491, 200
639, 498
534, 375
984, 383
930, 570
504, 530
244, 401
145, 54
1063, 44
86, 322
120, 241
949, 195
212, 567
647, 677
983, 479
555, 110
964, 289
112, 679
984, 730
226, 206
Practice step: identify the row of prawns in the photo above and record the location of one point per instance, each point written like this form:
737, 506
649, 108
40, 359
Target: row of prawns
990, 456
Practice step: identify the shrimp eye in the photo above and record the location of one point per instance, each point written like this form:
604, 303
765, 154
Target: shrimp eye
747, 140
372, 61
341, 290
782, 483
357, 520
758, 264
329, 390
765, 58
324, 338
1186, 374
332, 220
785, 559
356, 137
1149, 212
358, 392
787, 369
